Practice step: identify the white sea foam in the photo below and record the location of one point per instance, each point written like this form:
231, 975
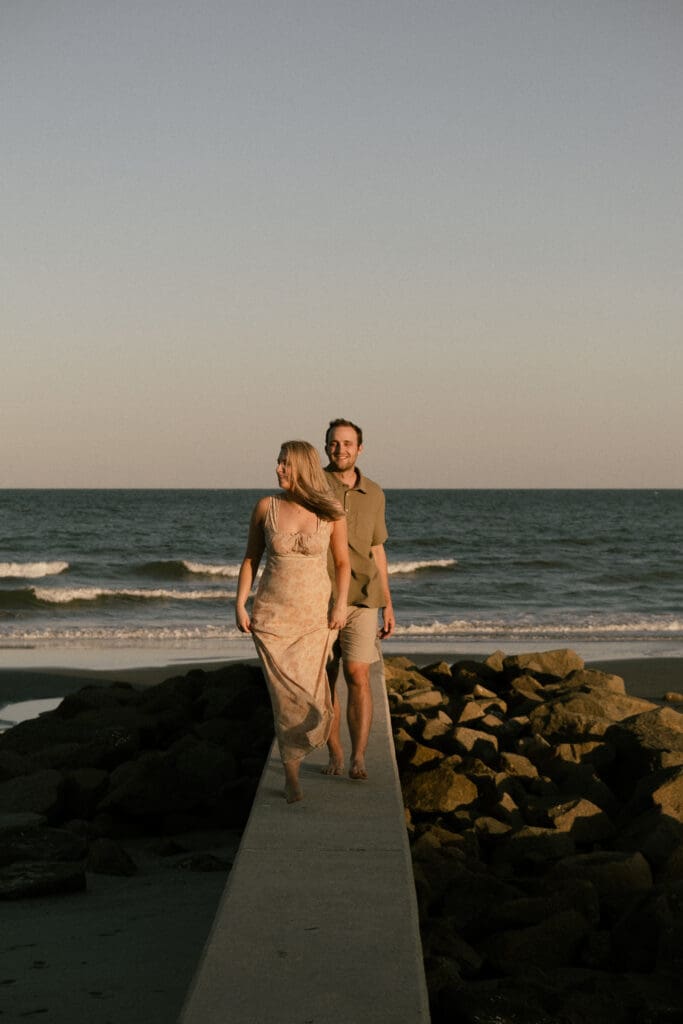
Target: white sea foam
458, 629
409, 567
67, 595
119, 635
467, 627
202, 569
31, 570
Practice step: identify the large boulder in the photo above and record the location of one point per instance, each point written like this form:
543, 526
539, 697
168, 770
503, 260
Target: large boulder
619, 878
40, 793
554, 942
552, 664
35, 879
439, 789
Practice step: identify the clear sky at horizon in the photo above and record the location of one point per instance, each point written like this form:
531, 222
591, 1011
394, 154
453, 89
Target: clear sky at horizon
459, 224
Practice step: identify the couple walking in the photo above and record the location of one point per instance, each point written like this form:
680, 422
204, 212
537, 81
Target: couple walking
316, 604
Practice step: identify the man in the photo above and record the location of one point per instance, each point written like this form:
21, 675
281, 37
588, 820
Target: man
357, 645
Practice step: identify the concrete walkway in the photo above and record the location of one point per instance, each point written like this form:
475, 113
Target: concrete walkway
318, 921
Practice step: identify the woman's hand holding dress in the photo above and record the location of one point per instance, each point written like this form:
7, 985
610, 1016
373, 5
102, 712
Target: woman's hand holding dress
242, 619
337, 616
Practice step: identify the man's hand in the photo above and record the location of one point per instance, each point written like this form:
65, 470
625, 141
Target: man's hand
388, 622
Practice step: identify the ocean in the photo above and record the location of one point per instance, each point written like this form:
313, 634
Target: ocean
157, 569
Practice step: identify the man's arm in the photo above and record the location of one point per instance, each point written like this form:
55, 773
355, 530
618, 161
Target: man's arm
388, 620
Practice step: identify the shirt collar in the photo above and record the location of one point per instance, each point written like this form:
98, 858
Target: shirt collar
360, 481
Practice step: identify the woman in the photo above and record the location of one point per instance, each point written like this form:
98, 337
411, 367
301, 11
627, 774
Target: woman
293, 620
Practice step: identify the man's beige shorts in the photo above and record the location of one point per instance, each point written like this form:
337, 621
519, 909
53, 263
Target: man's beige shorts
358, 638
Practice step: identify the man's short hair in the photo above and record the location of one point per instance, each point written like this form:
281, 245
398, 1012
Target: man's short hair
344, 423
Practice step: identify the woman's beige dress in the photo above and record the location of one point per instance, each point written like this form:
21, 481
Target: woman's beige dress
292, 637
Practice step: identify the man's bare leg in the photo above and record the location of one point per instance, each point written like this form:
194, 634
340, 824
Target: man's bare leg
293, 790
358, 714
335, 765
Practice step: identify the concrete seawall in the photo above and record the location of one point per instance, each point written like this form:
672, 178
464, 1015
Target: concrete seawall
318, 922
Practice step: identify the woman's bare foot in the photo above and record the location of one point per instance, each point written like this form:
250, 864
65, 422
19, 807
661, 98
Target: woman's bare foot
293, 793
293, 790
335, 766
357, 770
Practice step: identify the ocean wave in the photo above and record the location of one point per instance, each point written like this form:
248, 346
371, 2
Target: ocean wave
180, 568
458, 630
99, 595
463, 628
118, 635
396, 568
31, 570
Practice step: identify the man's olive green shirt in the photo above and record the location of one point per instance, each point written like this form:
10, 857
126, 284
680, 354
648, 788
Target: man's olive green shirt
364, 505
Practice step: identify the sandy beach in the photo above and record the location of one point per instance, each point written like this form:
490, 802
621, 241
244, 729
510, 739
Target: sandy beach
127, 948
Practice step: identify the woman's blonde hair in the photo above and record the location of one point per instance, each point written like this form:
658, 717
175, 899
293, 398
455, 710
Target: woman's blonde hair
309, 483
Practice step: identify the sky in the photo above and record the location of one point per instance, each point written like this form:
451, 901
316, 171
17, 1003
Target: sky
458, 224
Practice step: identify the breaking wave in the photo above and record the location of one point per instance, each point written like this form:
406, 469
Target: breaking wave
585, 629
31, 570
178, 569
32, 597
396, 568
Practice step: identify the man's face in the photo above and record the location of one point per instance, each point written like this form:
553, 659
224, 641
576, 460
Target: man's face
342, 448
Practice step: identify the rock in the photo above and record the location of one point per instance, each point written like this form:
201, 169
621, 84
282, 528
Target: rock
531, 847
41, 792
481, 692
31, 879
468, 673
673, 866
554, 942
95, 697
594, 752
423, 700
470, 712
83, 789
106, 857
528, 688
42, 844
96, 739
668, 797
575, 716
590, 679
477, 744
491, 827
439, 674
573, 758
192, 775
19, 821
435, 728
524, 911
556, 664
439, 789
495, 661
401, 675
518, 765
658, 729
619, 878
638, 934
204, 862
470, 897
414, 755
12, 763
584, 822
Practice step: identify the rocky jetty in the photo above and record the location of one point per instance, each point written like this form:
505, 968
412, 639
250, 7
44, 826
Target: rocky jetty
114, 762
545, 811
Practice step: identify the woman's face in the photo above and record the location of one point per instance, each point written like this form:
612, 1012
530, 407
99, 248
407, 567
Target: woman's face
283, 471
